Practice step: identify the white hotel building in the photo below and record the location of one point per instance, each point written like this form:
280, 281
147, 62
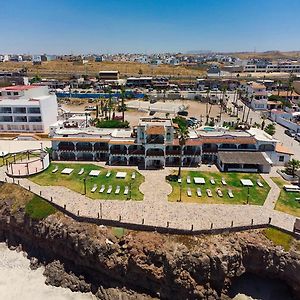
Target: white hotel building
27, 109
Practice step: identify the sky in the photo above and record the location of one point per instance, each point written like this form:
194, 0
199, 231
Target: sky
148, 26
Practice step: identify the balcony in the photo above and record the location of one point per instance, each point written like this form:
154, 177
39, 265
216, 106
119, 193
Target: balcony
118, 151
155, 152
101, 148
136, 152
172, 152
192, 152
66, 148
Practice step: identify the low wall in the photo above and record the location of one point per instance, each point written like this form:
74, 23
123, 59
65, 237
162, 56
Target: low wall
99, 220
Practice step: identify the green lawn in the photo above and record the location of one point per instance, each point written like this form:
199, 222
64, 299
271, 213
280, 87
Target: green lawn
75, 182
286, 201
37, 208
279, 238
257, 195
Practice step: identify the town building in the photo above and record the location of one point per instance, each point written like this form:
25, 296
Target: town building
109, 75
257, 95
27, 109
154, 144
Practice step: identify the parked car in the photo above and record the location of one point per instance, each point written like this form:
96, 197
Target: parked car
195, 120
183, 113
290, 132
297, 137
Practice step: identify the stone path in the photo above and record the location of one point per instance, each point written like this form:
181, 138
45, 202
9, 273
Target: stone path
155, 210
274, 193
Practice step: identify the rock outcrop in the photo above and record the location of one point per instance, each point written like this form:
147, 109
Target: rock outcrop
143, 265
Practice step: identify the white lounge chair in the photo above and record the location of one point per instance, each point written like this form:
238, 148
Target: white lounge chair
230, 194
102, 189
208, 192
212, 181
259, 183
224, 181
55, 169
189, 192
81, 171
219, 192
179, 180
133, 175
94, 188
117, 191
188, 180
109, 189
199, 194
108, 174
126, 190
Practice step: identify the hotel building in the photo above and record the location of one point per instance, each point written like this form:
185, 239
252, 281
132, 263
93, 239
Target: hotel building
154, 144
27, 108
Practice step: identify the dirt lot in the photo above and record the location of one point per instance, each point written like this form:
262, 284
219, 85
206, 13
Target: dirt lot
195, 109
63, 69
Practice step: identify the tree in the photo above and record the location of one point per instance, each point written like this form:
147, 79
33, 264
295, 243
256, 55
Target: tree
183, 134
123, 107
270, 129
293, 165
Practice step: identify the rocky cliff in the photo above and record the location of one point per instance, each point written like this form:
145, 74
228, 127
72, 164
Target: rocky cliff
143, 265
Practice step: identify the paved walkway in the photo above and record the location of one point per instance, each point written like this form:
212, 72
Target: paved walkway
155, 210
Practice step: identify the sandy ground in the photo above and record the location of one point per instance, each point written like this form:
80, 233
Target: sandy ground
18, 281
16, 146
195, 109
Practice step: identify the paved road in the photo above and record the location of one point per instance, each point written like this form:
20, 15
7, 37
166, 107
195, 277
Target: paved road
155, 210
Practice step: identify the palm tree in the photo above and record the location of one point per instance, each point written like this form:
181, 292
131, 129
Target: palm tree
293, 165
183, 134
123, 103
207, 102
109, 104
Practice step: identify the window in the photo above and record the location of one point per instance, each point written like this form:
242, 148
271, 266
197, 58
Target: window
8, 93
16, 93
5, 110
6, 119
281, 158
20, 119
33, 110
35, 119
19, 110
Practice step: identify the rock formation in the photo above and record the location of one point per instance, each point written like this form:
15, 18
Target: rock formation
143, 265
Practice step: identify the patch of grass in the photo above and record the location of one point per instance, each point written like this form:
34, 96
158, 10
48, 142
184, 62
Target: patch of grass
112, 124
16, 157
286, 201
257, 195
279, 238
118, 232
75, 182
37, 208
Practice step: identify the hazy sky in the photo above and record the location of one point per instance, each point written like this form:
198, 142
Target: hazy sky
97, 26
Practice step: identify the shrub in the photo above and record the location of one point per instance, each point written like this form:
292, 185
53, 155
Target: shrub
112, 124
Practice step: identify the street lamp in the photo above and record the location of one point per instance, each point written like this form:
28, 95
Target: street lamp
248, 194
84, 185
180, 190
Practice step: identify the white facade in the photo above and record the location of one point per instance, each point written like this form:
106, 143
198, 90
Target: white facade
27, 109
257, 96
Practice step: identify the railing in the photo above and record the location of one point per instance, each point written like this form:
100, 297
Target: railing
136, 151
66, 148
155, 153
172, 152
191, 152
101, 148
84, 149
118, 151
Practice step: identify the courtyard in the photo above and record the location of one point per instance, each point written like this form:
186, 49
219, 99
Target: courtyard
220, 192
84, 179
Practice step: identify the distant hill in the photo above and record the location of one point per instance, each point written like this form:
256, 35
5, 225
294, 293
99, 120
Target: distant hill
274, 54
198, 52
